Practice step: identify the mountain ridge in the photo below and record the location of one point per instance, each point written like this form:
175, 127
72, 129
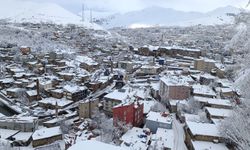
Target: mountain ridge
29, 11
160, 16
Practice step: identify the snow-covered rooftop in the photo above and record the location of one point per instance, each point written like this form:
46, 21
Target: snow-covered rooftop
94, 145
121, 95
6, 133
203, 90
53, 101
176, 80
218, 112
204, 129
213, 101
202, 145
135, 139
159, 117
23, 136
86, 59
164, 138
32, 92
74, 88
46, 133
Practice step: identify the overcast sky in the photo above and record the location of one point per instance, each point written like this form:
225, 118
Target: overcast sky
130, 5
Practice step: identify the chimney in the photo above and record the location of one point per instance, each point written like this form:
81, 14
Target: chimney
37, 89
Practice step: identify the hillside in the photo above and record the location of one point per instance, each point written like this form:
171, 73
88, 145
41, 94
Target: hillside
34, 12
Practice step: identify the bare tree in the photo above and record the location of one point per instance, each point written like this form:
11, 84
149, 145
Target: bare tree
158, 107
23, 96
236, 128
191, 107
109, 132
65, 127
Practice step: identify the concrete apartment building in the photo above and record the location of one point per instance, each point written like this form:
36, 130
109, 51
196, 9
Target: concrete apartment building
205, 65
174, 88
87, 108
24, 124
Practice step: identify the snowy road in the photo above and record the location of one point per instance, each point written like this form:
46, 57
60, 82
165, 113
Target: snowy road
179, 135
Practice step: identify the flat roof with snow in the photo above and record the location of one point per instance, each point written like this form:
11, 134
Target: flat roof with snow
213, 101
201, 145
74, 88
6, 133
203, 90
176, 80
218, 112
94, 145
121, 95
53, 101
203, 129
86, 59
159, 117
46, 133
165, 138
135, 139
23, 136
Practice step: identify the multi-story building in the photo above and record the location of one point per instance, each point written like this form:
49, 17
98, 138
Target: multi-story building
129, 113
115, 98
87, 108
157, 120
174, 88
75, 93
204, 64
127, 65
87, 63
24, 124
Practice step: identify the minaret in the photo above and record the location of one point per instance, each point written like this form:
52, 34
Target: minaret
37, 89
56, 109
111, 64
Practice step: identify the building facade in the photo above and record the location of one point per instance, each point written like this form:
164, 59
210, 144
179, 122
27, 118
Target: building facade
131, 113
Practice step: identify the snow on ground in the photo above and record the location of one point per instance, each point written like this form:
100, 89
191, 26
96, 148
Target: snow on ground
179, 135
30, 11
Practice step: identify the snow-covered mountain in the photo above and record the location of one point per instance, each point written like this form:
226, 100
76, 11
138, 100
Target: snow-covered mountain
30, 11
159, 16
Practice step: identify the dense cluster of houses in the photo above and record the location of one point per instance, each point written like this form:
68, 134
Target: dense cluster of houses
159, 92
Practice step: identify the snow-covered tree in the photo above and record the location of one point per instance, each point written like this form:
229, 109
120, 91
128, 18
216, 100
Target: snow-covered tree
191, 107
23, 97
108, 132
236, 128
65, 127
2, 69
158, 107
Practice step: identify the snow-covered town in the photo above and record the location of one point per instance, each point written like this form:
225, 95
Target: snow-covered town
71, 84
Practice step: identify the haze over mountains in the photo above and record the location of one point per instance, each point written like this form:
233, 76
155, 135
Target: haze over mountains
159, 16
27, 11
